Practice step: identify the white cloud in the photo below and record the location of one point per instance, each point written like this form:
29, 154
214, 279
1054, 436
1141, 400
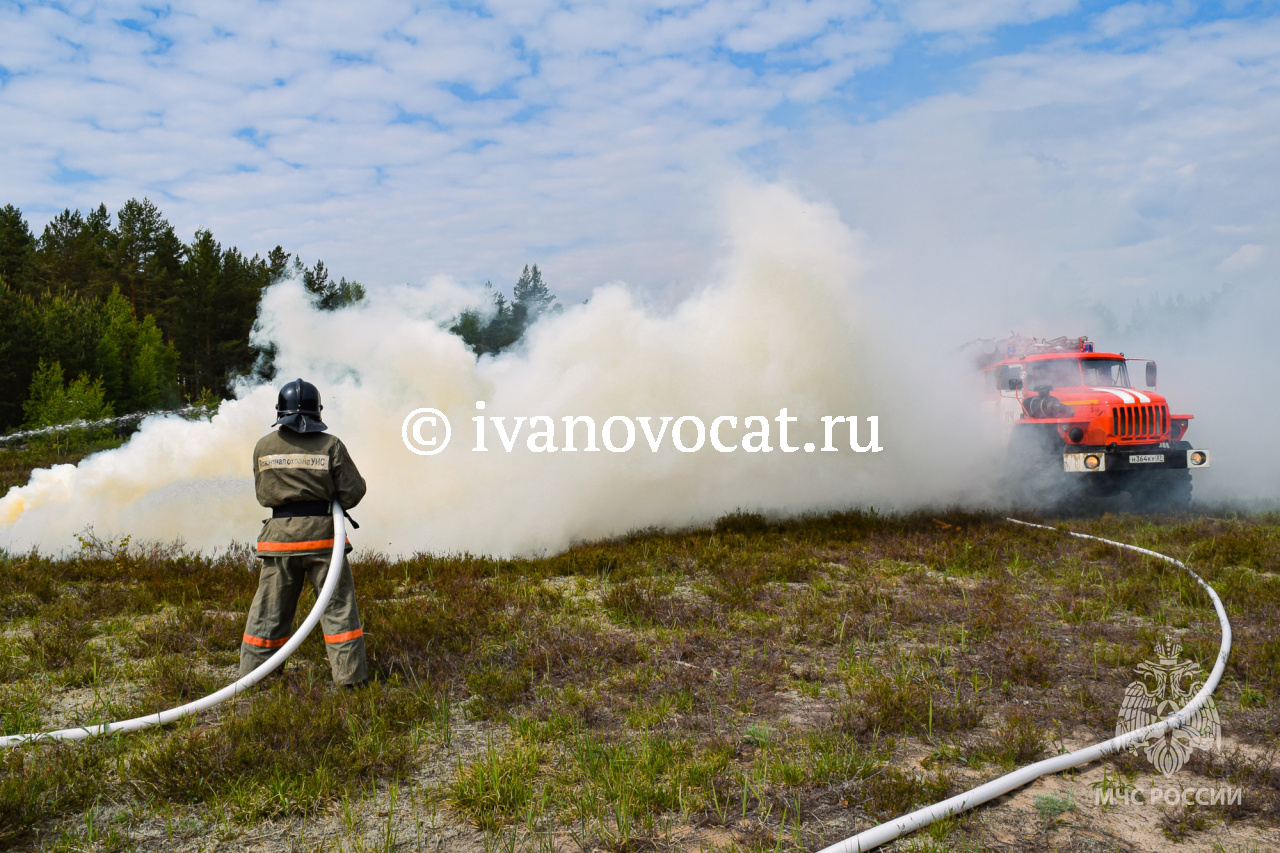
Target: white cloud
1133, 18
962, 16
1068, 168
601, 130
1243, 259
776, 25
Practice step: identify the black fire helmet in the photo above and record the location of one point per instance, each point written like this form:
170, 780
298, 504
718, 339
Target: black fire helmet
298, 407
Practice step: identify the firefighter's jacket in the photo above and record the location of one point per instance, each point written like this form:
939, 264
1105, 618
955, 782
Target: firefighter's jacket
289, 467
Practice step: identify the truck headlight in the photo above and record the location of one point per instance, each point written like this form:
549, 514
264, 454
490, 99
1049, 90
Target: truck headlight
1198, 457
1092, 462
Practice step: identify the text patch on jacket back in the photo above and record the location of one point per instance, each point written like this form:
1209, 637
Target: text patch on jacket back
294, 461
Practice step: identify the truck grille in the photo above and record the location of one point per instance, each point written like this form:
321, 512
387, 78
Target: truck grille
1142, 421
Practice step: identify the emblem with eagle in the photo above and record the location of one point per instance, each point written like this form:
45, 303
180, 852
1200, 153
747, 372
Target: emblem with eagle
1165, 686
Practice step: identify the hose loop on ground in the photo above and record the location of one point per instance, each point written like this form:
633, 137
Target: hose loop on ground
886, 832
231, 690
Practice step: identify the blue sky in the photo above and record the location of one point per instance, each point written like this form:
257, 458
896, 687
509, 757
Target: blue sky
990, 145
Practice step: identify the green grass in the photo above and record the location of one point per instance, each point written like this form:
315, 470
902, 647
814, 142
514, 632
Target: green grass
761, 683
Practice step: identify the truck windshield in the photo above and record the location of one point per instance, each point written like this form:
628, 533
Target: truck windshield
1058, 372
1105, 371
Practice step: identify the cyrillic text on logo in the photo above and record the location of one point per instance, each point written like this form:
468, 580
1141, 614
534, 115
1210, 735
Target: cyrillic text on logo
301, 461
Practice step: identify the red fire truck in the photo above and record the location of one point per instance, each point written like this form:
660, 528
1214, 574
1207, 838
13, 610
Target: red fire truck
1076, 425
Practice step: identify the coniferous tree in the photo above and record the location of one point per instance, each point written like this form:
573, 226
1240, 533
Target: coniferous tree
243, 281
148, 256
219, 292
492, 334
531, 295
18, 355
68, 330
328, 295
470, 328
505, 328
152, 369
71, 254
277, 263
197, 306
50, 403
115, 343
17, 245
138, 368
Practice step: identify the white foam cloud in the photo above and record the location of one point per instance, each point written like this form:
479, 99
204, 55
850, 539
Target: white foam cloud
780, 327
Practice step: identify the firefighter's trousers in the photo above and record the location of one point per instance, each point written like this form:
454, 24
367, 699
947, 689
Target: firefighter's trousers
270, 622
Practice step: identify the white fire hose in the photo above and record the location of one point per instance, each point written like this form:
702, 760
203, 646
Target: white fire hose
159, 719
886, 832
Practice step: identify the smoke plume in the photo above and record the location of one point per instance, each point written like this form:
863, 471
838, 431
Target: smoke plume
779, 325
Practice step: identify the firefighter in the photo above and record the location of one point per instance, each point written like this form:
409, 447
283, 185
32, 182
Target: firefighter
297, 471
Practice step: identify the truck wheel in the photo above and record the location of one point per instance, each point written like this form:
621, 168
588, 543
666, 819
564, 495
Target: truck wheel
1034, 478
1163, 491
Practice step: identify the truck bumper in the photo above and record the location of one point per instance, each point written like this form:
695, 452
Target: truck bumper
1145, 459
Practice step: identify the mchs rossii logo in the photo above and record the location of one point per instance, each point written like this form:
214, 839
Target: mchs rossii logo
1165, 686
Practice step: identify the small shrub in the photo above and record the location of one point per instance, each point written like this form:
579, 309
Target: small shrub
903, 705
1049, 806
190, 631
497, 786
1022, 739
736, 582
1178, 824
833, 758
58, 641
741, 523
172, 680
643, 601
1030, 660
21, 710
758, 734
890, 792
495, 689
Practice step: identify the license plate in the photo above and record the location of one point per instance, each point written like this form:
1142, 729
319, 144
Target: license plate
1139, 458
